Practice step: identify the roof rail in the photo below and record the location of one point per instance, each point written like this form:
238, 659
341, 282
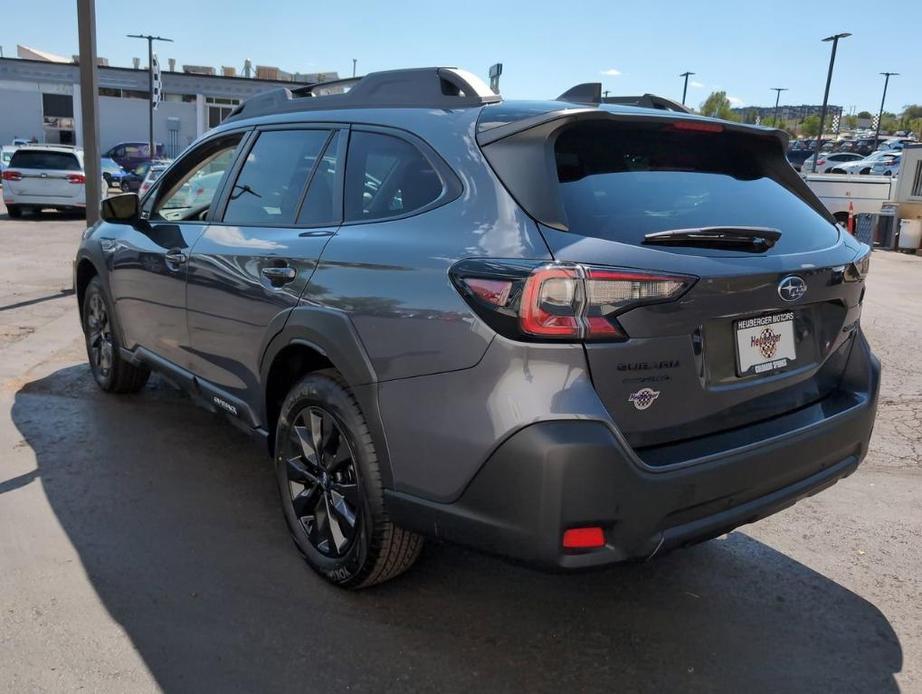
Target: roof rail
648, 101
591, 93
430, 87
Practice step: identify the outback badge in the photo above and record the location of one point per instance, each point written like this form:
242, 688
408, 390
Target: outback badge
643, 398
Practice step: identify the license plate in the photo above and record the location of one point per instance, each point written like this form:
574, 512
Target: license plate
765, 344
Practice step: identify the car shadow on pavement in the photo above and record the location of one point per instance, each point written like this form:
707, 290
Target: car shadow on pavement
175, 518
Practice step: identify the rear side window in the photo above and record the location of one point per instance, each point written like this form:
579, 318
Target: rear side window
38, 159
387, 176
620, 182
269, 188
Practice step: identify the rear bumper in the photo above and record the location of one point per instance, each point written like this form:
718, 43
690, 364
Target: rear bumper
43, 201
556, 475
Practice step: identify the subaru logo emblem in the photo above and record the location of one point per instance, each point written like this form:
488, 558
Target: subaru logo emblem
792, 288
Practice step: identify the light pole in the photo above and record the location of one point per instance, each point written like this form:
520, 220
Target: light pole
880, 115
354, 61
778, 91
150, 84
685, 88
832, 61
89, 102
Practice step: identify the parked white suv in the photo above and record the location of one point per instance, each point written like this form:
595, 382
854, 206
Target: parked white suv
44, 176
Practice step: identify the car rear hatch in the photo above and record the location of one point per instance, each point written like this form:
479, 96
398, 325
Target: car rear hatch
775, 287
39, 174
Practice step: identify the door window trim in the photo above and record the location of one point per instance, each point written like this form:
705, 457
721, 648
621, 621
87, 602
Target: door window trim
152, 196
335, 131
452, 188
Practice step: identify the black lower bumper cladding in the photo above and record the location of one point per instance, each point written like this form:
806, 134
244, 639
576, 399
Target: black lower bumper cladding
556, 475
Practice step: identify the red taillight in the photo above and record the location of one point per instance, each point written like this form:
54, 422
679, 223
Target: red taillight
76, 178
9, 175
550, 302
577, 301
698, 126
495, 292
821, 162
559, 301
584, 538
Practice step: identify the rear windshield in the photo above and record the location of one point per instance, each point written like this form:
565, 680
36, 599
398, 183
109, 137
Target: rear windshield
38, 159
620, 182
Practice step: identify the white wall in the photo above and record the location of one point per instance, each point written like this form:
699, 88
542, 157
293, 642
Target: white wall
20, 115
126, 120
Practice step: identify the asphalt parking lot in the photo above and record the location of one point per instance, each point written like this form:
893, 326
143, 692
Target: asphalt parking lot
142, 548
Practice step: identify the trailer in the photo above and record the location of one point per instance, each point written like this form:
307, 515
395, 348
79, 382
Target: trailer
864, 193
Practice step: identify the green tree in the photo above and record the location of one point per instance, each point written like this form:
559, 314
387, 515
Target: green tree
811, 126
864, 114
910, 113
851, 122
717, 105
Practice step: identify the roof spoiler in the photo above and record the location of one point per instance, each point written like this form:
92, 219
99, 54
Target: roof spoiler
585, 93
431, 87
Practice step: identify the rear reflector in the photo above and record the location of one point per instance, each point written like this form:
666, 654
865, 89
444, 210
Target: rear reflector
698, 126
9, 175
584, 538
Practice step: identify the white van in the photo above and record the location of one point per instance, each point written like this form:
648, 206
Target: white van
44, 176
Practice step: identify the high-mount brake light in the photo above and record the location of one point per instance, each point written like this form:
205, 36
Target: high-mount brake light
698, 126
560, 301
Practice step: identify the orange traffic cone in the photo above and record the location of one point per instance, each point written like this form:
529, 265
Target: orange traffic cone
851, 218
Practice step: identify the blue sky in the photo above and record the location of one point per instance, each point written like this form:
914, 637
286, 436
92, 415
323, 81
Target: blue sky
744, 48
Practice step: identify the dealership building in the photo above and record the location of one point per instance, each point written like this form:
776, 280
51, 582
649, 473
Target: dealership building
40, 99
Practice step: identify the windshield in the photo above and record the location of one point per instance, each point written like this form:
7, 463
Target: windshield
622, 182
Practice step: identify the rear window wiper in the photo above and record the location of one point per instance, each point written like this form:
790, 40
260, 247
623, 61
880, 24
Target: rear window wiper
752, 239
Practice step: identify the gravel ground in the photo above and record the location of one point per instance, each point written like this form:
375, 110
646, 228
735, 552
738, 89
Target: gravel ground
141, 549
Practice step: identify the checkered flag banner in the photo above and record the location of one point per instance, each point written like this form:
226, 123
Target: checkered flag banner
835, 122
156, 94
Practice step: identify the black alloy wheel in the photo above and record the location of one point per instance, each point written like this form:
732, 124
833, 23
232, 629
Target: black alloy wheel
331, 486
322, 481
99, 337
112, 373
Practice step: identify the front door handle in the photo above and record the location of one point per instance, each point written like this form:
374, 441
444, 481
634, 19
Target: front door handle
175, 257
278, 276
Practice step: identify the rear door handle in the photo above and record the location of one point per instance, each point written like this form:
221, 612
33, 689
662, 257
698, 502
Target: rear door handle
278, 276
175, 257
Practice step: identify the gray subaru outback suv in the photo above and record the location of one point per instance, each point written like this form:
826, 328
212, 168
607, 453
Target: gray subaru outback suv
566, 332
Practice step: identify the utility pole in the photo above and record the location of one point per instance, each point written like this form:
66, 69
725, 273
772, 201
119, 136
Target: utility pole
685, 88
880, 115
89, 99
152, 152
777, 91
354, 62
832, 61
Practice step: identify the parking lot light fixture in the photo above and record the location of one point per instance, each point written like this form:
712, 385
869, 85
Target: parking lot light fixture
777, 91
150, 84
832, 61
686, 75
880, 114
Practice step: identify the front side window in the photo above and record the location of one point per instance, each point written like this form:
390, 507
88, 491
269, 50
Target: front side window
192, 184
269, 188
387, 177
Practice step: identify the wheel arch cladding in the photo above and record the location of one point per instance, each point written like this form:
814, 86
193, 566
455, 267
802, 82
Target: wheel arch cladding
83, 275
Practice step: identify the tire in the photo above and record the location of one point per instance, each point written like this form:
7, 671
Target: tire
14, 211
319, 500
111, 373
108, 179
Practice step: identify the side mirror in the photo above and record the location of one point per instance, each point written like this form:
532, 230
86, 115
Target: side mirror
121, 209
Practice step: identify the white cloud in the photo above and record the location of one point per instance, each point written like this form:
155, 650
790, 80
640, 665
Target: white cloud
611, 72
735, 101
696, 85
